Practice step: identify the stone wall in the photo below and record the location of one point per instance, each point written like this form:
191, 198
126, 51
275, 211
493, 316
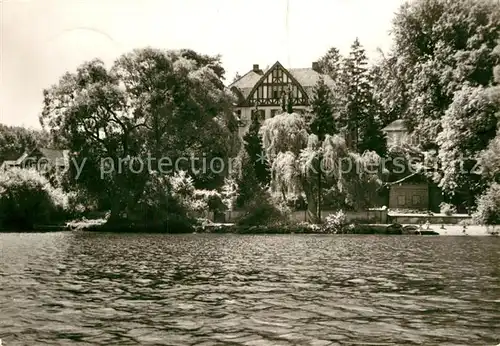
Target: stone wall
423, 218
374, 216
367, 216
371, 216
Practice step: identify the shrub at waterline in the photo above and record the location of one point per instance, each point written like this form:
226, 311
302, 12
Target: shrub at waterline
161, 207
447, 209
262, 210
167, 204
488, 206
27, 198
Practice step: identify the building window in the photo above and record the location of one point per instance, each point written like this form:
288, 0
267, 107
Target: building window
401, 200
416, 200
413, 140
241, 122
275, 111
277, 76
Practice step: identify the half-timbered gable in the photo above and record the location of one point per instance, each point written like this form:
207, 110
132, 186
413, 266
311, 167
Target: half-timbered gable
260, 93
272, 87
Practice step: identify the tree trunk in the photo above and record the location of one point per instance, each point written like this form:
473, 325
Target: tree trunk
312, 210
319, 195
320, 158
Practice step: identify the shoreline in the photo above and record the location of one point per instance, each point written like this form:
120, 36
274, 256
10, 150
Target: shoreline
99, 226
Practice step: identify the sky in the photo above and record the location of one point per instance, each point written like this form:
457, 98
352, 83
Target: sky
42, 39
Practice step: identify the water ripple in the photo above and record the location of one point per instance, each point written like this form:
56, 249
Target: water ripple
101, 289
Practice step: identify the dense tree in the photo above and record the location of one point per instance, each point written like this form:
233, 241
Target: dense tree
28, 199
488, 204
322, 108
323, 123
296, 155
488, 211
438, 46
284, 137
330, 63
436, 77
150, 102
88, 113
359, 112
467, 127
246, 179
489, 159
181, 94
371, 136
255, 152
389, 89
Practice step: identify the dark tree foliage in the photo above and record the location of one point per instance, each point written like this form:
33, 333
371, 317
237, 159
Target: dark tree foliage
150, 103
256, 154
359, 111
437, 77
248, 184
371, 136
439, 46
323, 121
330, 63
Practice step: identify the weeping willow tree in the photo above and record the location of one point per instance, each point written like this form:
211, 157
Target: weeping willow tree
297, 157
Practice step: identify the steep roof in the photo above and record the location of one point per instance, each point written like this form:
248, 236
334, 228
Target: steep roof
246, 82
55, 156
306, 77
396, 125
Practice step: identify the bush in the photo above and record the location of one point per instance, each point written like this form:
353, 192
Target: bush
159, 208
166, 204
27, 198
210, 200
261, 211
488, 206
308, 227
447, 209
194, 201
335, 223
80, 202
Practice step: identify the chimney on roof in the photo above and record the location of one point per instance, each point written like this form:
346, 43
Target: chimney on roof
315, 66
256, 68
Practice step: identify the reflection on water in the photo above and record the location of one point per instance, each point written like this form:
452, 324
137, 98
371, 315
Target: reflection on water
98, 289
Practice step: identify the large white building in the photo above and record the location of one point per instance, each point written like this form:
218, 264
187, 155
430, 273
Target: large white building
260, 93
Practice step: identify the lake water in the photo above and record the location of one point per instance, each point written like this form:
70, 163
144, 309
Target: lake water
102, 289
